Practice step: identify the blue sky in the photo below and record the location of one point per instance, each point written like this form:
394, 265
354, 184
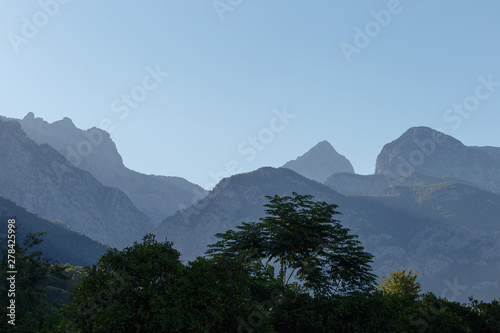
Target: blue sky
231, 72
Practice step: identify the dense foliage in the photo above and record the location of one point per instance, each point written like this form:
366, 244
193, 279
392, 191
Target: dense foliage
146, 288
306, 242
378, 313
400, 283
37, 287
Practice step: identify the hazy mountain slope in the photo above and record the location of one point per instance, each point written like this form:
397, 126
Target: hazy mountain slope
60, 244
353, 184
460, 243
320, 162
40, 179
494, 152
446, 202
94, 151
400, 229
233, 200
427, 151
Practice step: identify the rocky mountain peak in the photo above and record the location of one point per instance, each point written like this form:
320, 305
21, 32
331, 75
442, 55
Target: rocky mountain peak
320, 162
40, 179
430, 152
29, 117
81, 147
65, 122
94, 151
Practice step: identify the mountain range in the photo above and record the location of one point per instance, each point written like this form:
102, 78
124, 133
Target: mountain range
93, 150
430, 152
432, 229
432, 203
423, 156
41, 180
443, 224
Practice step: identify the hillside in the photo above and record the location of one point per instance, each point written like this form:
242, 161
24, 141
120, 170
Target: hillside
40, 179
407, 227
93, 150
60, 244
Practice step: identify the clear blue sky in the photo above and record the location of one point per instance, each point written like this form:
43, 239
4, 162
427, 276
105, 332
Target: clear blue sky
226, 76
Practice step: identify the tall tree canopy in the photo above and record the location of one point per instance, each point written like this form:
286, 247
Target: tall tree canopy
146, 288
306, 242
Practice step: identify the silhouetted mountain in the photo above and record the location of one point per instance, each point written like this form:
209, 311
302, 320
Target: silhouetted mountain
40, 179
433, 153
234, 200
320, 162
59, 244
94, 151
432, 229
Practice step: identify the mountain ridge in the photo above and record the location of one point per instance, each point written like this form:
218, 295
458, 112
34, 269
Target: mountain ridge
40, 179
390, 226
433, 153
94, 151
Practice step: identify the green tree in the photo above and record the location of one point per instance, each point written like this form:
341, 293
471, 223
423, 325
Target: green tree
304, 240
400, 283
133, 290
145, 288
358, 313
217, 295
32, 306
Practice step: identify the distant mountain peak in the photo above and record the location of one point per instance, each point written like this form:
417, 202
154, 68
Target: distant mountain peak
37, 177
433, 153
157, 196
325, 144
322, 148
66, 122
426, 133
29, 116
320, 162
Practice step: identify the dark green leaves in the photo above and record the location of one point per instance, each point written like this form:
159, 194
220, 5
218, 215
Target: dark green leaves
307, 244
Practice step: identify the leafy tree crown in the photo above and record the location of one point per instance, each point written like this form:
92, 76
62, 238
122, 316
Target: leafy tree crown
306, 242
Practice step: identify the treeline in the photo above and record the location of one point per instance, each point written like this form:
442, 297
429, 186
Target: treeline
296, 270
